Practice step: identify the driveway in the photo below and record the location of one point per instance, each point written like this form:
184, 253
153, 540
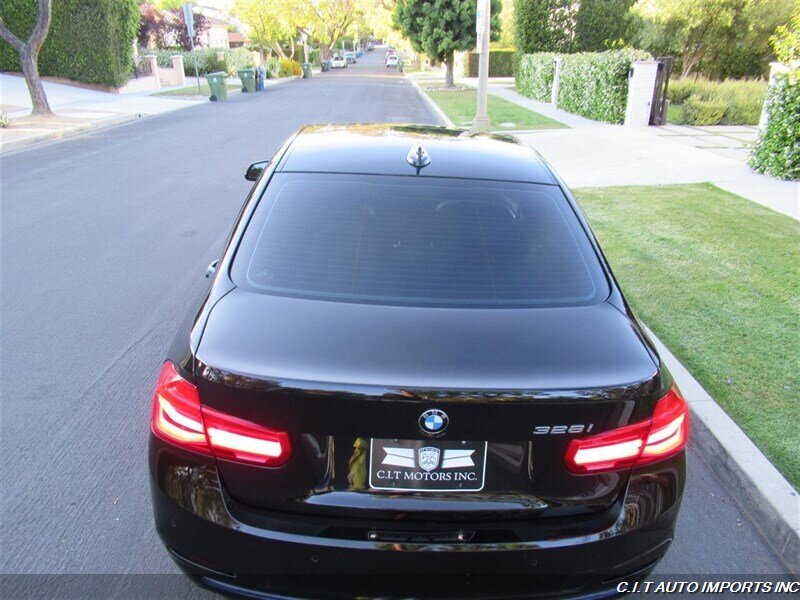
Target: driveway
105, 239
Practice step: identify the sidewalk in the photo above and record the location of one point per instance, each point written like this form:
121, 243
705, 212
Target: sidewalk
76, 110
600, 154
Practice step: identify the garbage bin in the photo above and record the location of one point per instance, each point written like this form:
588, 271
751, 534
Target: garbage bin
326, 65
306, 70
248, 77
399, 66
216, 83
261, 75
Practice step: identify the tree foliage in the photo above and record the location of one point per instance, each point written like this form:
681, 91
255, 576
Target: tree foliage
722, 38
601, 24
438, 28
786, 40
268, 22
328, 20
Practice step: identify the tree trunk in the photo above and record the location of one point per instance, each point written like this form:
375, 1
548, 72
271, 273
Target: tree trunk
41, 107
448, 74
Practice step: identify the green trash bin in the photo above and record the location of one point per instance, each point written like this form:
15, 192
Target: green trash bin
248, 77
399, 66
216, 83
306, 70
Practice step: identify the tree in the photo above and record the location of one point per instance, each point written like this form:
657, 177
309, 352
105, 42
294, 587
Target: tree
786, 41
544, 25
268, 22
29, 56
328, 20
179, 28
601, 24
438, 28
718, 37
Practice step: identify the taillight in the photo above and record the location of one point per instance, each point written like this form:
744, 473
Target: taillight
179, 418
657, 438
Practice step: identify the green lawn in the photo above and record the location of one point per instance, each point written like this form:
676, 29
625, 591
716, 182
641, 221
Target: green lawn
460, 106
717, 278
192, 90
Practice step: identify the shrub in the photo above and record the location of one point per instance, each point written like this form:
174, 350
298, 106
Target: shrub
5, 120
535, 74
741, 99
697, 111
207, 62
501, 63
89, 40
288, 67
777, 149
595, 84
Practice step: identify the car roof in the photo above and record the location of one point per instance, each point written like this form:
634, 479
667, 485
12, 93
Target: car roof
382, 150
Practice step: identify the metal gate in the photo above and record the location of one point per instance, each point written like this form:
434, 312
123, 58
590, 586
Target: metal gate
658, 108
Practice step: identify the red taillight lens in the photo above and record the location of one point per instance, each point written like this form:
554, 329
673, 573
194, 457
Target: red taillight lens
657, 438
237, 439
176, 414
178, 418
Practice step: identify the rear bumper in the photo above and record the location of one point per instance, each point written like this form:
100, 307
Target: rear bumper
282, 555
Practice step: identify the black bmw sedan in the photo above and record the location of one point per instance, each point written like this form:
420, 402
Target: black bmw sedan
414, 375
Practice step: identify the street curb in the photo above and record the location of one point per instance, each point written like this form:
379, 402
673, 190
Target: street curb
433, 106
62, 135
763, 494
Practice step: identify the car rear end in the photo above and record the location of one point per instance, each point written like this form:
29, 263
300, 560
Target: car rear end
424, 387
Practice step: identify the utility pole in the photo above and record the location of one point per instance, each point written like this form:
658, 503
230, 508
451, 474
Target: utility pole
482, 26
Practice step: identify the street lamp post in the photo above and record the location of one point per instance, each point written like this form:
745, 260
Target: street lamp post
482, 24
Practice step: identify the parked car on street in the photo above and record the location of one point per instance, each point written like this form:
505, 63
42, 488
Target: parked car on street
391, 60
350, 57
338, 62
412, 375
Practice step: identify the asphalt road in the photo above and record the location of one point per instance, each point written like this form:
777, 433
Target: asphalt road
105, 239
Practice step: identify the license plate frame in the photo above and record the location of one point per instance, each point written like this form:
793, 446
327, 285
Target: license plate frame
449, 466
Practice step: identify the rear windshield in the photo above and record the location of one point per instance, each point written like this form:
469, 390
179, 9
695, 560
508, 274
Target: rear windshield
419, 242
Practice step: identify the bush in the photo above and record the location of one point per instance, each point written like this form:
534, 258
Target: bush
288, 67
741, 100
501, 63
697, 111
777, 149
595, 84
89, 40
207, 62
535, 74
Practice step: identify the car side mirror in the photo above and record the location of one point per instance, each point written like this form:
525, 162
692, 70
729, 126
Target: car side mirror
212, 268
254, 171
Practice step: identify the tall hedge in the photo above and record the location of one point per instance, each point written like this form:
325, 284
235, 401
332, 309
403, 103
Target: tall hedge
89, 40
544, 25
595, 84
501, 63
599, 24
777, 149
535, 74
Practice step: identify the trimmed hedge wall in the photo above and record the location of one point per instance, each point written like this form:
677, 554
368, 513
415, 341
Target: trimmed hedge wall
501, 63
592, 84
535, 73
777, 150
89, 40
595, 84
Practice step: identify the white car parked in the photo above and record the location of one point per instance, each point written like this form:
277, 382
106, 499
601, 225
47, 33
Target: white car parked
391, 60
339, 62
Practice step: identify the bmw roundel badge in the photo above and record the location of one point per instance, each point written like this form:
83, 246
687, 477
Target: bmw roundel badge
433, 421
